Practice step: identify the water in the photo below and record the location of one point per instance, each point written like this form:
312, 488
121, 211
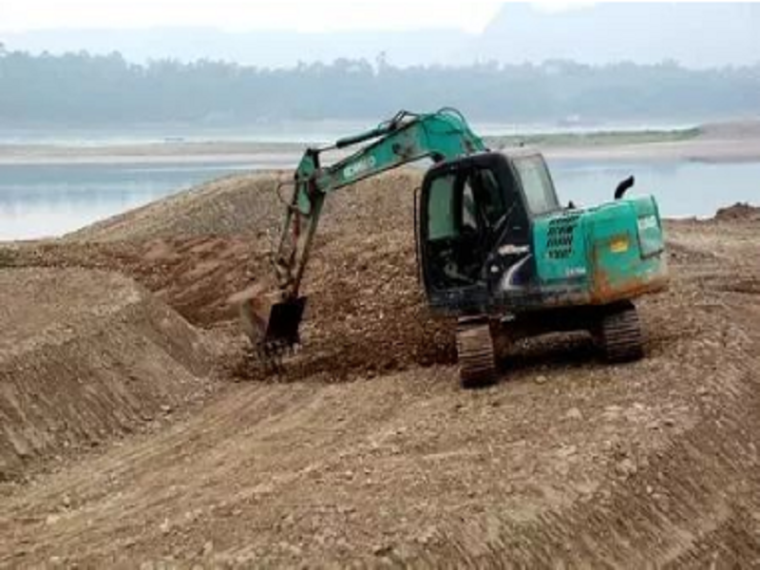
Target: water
50, 200
681, 188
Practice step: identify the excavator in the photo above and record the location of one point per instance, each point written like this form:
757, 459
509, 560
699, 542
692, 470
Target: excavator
495, 248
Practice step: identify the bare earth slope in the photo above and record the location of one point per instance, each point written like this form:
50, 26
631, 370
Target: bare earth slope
366, 450
86, 356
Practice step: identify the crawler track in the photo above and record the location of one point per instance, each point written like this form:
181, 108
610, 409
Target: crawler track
621, 336
475, 349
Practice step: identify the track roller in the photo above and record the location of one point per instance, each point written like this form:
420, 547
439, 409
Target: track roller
475, 350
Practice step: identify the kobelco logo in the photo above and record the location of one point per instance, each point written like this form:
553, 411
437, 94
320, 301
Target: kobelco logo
359, 168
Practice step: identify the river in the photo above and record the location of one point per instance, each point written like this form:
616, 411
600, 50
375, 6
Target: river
50, 200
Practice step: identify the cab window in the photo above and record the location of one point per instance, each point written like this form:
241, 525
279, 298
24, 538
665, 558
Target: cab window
466, 202
469, 209
537, 185
440, 208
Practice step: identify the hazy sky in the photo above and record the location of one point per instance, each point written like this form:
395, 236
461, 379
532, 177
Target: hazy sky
240, 15
302, 15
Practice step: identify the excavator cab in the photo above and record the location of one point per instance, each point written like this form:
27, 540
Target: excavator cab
475, 220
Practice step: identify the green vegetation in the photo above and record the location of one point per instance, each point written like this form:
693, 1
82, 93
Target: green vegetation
601, 138
83, 90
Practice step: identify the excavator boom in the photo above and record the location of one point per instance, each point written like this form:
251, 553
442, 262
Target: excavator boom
273, 324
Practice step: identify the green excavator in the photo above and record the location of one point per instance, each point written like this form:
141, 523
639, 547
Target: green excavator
495, 247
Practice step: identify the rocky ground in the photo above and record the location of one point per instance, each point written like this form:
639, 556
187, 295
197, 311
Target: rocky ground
136, 429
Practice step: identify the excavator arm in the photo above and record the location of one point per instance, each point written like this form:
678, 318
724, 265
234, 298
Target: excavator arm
405, 138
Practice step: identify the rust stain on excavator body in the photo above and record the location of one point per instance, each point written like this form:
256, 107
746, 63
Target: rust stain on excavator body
616, 284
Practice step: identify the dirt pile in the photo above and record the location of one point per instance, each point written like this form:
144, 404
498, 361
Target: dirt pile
738, 212
250, 205
86, 356
230, 205
194, 275
366, 313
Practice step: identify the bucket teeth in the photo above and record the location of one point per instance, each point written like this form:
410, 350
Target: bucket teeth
272, 353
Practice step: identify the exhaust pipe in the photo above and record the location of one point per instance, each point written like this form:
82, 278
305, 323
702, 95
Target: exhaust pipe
624, 186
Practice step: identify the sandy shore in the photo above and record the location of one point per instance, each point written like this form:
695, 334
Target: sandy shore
700, 149
154, 153
726, 142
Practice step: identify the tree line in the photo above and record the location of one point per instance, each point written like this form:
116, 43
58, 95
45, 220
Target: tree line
90, 90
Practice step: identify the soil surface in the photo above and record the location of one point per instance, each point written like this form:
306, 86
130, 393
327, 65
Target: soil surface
87, 356
364, 450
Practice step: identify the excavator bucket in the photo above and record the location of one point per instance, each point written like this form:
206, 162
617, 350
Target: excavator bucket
272, 324
284, 323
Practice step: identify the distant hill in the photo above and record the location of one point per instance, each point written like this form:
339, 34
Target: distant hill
696, 35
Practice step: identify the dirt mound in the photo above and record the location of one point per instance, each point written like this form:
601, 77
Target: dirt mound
86, 356
738, 212
366, 314
236, 204
250, 205
194, 275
